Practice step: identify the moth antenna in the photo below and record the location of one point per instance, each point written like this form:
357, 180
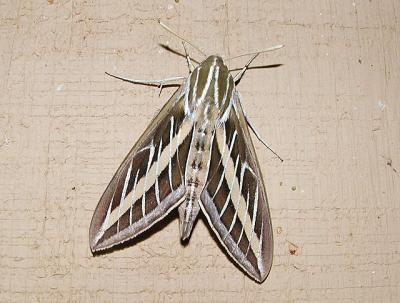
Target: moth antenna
270, 49
158, 83
188, 60
180, 37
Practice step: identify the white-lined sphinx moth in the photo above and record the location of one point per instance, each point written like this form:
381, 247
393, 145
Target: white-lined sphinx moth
196, 154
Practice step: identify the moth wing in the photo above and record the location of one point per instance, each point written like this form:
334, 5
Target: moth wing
234, 199
149, 182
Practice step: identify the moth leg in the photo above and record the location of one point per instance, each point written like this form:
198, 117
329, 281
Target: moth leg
158, 83
189, 62
259, 137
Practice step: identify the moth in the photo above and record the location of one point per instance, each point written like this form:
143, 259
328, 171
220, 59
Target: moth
196, 154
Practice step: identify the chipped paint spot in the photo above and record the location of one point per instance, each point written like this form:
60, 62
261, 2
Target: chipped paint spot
60, 87
381, 104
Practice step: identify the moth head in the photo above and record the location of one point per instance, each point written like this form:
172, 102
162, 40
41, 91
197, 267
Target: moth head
213, 60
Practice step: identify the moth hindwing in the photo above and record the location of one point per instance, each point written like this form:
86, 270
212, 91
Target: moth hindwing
196, 154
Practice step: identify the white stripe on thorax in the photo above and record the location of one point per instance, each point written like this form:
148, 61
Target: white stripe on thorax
193, 96
225, 115
194, 92
226, 92
208, 82
216, 92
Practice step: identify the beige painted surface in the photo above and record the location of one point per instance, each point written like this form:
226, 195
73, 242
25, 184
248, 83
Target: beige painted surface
331, 110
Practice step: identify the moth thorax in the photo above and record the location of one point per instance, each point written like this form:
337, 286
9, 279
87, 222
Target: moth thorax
206, 112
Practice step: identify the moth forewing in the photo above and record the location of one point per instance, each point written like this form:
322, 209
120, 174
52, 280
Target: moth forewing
265, 230
119, 214
234, 199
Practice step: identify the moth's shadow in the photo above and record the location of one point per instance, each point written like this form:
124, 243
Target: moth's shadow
257, 67
175, 52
